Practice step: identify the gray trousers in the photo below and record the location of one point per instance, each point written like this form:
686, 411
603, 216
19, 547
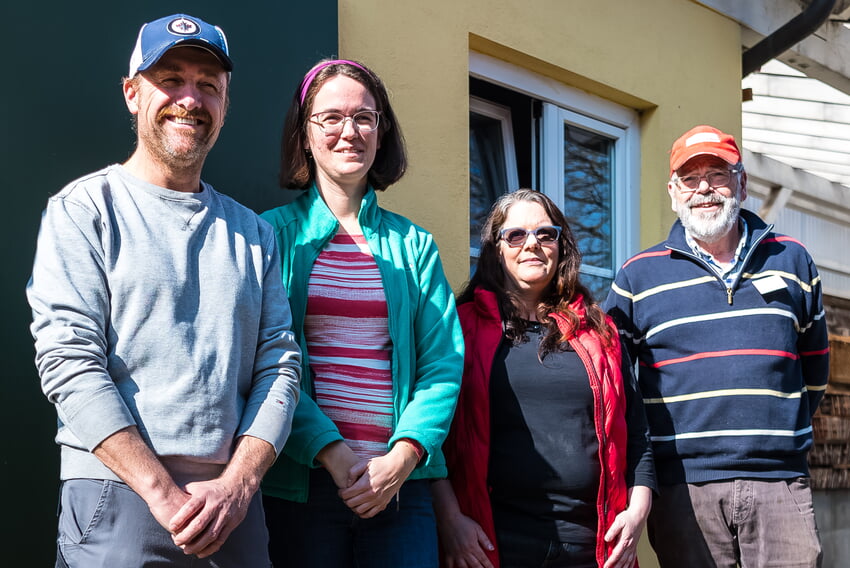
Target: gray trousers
742, 522
105, 524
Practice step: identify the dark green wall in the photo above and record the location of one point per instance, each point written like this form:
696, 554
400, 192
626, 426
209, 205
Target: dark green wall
62, 116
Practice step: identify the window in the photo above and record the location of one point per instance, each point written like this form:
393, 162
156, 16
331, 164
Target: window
581, 174
492, 164
577, 148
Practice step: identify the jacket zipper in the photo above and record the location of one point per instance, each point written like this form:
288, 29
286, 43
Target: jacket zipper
730, 290
596, 386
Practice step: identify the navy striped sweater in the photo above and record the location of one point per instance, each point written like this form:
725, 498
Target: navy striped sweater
730, 376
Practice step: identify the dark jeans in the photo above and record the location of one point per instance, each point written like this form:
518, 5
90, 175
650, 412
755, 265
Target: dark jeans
105, 524
521, 551
324, 532
723, 524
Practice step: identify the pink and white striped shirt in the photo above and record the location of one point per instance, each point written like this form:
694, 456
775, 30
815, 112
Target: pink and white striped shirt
349, 344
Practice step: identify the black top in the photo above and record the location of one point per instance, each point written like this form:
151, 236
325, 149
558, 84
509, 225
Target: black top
544, 463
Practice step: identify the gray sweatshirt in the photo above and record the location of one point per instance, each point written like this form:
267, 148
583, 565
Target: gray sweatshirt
164, 310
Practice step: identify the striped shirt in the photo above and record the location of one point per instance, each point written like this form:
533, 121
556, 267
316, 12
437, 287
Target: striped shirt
730, 374
349, 344
728, 272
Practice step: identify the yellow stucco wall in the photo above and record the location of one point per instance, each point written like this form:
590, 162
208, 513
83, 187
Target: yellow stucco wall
674, 61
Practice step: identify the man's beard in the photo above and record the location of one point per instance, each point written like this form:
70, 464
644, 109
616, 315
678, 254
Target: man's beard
189, 151
709, 228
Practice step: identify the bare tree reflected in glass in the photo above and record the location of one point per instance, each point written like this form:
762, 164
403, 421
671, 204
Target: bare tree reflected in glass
588, 186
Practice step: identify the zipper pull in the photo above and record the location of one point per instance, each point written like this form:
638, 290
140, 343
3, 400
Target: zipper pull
729, 295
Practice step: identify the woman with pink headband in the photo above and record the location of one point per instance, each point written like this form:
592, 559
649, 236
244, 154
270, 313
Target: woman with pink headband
381, 342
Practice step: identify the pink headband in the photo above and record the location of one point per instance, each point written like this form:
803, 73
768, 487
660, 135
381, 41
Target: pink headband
311, 74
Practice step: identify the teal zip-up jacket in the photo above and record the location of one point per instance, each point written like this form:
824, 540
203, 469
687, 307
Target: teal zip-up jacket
427, 358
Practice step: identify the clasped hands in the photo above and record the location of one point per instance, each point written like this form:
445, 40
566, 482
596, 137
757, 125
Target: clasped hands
367, 486
201, 515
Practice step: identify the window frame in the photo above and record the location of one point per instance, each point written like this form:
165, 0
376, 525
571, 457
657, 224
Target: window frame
587, 111
502, 114
553, 120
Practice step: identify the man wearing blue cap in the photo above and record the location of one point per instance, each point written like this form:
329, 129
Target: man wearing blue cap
162, 332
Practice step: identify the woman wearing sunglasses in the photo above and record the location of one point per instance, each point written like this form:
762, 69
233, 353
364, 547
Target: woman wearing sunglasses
381, 342
549, 457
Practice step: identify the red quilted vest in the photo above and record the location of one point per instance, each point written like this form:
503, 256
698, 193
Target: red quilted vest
467, 447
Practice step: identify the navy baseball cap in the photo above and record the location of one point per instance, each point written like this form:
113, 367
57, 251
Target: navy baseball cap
157, 37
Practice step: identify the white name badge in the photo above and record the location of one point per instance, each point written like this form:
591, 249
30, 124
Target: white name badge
769, 284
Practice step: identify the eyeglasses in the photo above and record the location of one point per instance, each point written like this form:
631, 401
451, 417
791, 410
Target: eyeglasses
517, 236
332, 123
714, 179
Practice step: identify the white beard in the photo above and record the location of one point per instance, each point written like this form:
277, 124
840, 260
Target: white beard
709, 227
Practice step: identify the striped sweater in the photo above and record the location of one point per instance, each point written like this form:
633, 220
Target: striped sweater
731, 375
348, 338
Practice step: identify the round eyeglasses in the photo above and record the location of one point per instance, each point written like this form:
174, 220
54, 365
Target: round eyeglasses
714, 179
332, 123
517, 236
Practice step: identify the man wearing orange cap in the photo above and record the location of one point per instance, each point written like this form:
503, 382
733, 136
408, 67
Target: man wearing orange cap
726, 321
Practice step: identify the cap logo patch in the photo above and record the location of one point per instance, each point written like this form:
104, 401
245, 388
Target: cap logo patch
701, 137
183, 27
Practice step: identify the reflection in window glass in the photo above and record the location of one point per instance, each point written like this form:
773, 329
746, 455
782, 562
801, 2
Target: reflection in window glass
487, 176
588, 186
599, 286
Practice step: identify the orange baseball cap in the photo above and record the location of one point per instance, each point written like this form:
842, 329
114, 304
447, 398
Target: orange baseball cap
703, 139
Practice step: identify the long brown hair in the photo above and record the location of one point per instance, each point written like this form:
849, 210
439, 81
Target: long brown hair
563, 290
297, 170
